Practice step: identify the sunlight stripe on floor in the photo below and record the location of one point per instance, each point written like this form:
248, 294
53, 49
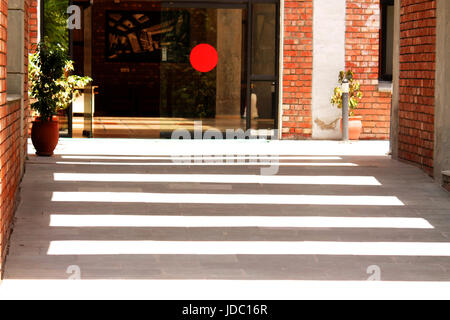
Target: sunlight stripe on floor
211, 163
203, 157
426, 249
209, 198
219, 178
143, 221
207, 289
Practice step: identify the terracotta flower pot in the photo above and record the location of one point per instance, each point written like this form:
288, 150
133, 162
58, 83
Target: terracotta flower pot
45, 136
354, 127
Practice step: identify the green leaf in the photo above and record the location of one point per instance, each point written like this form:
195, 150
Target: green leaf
49, 80
355, 94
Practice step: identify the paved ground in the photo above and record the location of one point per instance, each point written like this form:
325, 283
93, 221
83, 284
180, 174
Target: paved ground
332, 214
154, 128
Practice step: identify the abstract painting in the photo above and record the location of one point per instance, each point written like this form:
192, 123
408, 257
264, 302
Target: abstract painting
152, 36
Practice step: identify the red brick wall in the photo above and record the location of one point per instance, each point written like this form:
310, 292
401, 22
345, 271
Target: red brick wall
362, 56
30, 43
297, 73
10, 160
5, 216
10, 134
33, 24
417, 76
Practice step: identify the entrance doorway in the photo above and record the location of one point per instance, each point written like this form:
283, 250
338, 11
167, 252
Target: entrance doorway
138, 54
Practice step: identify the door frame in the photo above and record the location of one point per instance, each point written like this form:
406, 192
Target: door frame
250, 77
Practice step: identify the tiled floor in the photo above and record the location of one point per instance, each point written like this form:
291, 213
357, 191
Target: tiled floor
155, 128
333, 215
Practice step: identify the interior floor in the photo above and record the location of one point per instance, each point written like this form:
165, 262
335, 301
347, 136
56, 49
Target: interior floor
155, 128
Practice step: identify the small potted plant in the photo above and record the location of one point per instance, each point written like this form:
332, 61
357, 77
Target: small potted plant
53, 89
355, 95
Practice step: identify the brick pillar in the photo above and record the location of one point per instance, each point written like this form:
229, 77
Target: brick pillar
30, 43
4, 216
14, 110
33, 24
417, 82
297, 69
362, 57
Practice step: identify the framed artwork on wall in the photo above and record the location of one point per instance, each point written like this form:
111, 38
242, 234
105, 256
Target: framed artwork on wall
151, 36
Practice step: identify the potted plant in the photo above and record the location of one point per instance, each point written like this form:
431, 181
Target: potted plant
53, 89
355, 95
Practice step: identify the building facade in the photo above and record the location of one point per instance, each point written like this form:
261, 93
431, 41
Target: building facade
284, 56
320, 40
282, 59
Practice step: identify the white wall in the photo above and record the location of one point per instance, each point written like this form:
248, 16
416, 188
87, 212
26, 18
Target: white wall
328, 60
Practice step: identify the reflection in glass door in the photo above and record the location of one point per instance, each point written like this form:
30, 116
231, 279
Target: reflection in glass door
264, 67
147, 85
263, 95
215, 97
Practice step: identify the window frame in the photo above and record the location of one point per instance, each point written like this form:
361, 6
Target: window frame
382, 76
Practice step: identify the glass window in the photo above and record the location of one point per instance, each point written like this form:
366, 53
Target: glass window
263, 104
264, 39
387, 40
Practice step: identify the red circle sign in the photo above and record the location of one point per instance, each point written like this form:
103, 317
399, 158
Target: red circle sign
204, 57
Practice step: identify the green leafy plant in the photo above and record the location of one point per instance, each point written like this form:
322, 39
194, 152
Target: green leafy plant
55, 23
50, 81
196, 97
355, 94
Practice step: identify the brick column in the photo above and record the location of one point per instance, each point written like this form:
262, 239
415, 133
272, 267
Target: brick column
30, 44
297, 74
33, 24
14, 110
362, 56
417, 82
4, 214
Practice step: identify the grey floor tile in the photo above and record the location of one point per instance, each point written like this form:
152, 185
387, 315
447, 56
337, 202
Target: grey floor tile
422, 198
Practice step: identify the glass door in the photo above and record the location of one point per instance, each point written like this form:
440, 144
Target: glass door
149, 73
203, 67
89, 91
264, 68
80, 115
